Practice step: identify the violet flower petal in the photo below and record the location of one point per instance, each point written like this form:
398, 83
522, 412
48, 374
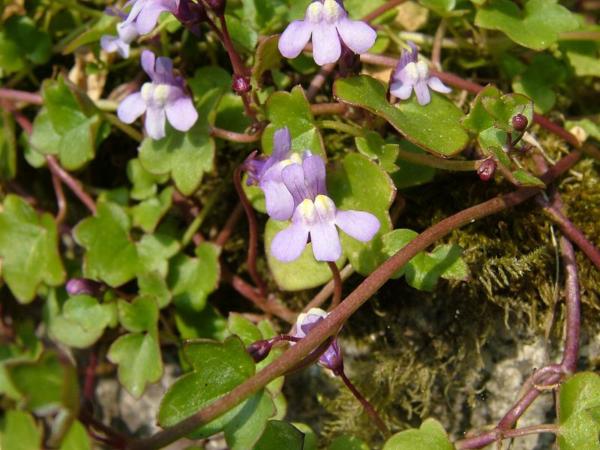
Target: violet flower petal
357, 35
358, 224
295, 37
148, 16
279, 201
314, 175
293, 177
163, 70
155, 122
289, 243
181, 113
132, 107
148, 59
436, 84
422, 91
325, 242
326, 43
401, 90
282, 144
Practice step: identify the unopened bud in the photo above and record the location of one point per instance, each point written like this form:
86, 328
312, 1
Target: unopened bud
241, 84
487, 169
218, 6
520, 122
259, 350
191, 15
84, 286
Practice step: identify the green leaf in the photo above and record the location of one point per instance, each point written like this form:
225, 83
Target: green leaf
154, 285
139, 359
441, 7
430, 436
503, 109
424, 270
185, 157
292, 110
303, 273
268, 57
280, 435
217, 368
376, 149
92, 34
82, 321
206, 324
359, 184
537, 26
139, 315
243, 328
19, 431
154, 251
583, 56
246, 427
47, 384
539, 81
193, 279
145, 184
435, 127
410, 174
68, 117
579, 412
148, 213
28, 249
8, 147
479, 119
347, 443
110, 255
76, 438
22, 41
524, 178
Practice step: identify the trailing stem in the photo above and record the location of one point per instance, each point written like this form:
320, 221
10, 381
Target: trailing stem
337, 284
253, 233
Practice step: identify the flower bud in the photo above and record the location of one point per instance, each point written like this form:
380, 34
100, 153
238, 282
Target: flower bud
218, 6
520, 122
191, 15
487, 169
259, 350
241, 84
84, 286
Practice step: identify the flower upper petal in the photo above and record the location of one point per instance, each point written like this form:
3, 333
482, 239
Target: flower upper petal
131, 108
358, 224
356, 34
293, 177
181, 113
314, 175
279, 201
295, 37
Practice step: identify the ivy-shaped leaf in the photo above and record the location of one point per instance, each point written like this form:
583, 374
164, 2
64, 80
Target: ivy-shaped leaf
359, 184
537, 26
435, 127
82, 321
19, 431
147, 214
280, 435
216, 369
424, 270
193, 279
22, 42
68, 117
347, 443
292, 110
76, 438
28, 249
579, 412
111, 255
145, 184
430, 436
139, 359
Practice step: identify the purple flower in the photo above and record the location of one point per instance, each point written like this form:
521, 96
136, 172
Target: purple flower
413, 74
332, 357
144, 13
328, 23
161, 99
127, 33
316, 217
266, 173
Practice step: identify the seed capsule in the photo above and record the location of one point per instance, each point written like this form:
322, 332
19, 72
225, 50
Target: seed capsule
487, 169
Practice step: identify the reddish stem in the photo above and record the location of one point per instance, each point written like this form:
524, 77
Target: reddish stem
337, 284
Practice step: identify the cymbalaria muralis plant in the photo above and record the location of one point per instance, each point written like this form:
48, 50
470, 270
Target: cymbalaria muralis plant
334, 225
